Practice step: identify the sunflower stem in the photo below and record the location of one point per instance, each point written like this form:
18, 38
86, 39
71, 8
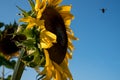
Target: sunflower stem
3, 72
19, 67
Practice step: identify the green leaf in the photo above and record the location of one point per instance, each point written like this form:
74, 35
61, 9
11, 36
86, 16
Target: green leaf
6, 63
8, 77
30, 43
1, 24
29, 33
28, 58
34, 59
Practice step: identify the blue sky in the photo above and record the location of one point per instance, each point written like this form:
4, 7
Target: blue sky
97, 52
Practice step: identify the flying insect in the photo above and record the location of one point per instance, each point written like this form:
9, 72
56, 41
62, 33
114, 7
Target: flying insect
103, 10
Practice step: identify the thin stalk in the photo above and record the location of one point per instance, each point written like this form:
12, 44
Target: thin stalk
19, 67
3, 72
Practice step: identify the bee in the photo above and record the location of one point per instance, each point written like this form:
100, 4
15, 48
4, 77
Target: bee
103, 10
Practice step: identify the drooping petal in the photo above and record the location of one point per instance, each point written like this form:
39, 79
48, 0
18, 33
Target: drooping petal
47, 39
47, 57
48, 74
50, 36
58, 75
48, 70
48, 61
66, 70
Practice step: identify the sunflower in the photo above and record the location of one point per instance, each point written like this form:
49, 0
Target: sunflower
8, 47
56, 37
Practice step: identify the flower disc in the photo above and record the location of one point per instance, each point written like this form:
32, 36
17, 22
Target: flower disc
55, 24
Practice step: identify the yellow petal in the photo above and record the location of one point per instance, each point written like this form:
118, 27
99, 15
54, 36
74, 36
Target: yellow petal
40, 7
48, 74
32, 21
66, 13
43, 6
39, 14
48, 35
54, 2
69, 55
66, 70
47, 57
49, 68
71, 36
26, 19
47, 38
48, 61
37, 5
67, 23
57, 67
45, 45
68, 17
64, 8
70, 45
39, 22
30, 25
58, 75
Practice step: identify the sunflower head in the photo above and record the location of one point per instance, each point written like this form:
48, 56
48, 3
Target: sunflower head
55, 24
55, 36
8, 38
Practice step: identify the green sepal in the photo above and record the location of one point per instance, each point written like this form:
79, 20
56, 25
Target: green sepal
23, 11
34, 59
32, 4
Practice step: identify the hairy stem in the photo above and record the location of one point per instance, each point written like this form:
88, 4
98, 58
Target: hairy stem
19, 67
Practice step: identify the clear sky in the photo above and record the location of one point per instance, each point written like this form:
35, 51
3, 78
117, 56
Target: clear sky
97, 53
